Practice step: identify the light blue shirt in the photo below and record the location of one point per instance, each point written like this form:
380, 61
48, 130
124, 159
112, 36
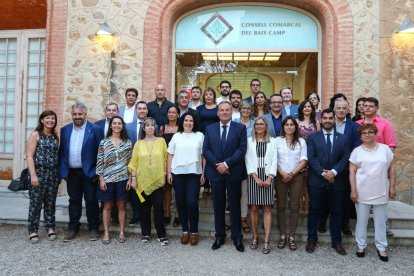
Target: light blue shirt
228, 129
340, 127
75, 148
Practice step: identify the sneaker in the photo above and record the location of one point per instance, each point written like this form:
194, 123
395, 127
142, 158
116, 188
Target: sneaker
163, 241
70, 236
93, 235
145, 239
133, 222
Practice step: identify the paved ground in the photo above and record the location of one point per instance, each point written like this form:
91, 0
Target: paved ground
83, 257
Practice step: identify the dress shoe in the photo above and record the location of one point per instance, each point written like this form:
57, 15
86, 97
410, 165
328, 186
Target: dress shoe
382, 258
310, 246
93, 235
346, 231
185, 238
360, 254
217, 244
239, 246
339, 249
70, 235
322, 227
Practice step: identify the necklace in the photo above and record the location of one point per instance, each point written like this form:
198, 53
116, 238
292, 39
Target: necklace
148, 149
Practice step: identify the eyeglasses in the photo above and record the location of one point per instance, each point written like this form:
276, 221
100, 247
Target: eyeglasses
254, 84
259, 124
369, 133
276, 102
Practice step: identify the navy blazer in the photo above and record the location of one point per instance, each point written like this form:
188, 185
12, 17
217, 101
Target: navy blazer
233, 154
351, 133
101, 124
294, 111
122, 111
318, 160
92, 138
131, 130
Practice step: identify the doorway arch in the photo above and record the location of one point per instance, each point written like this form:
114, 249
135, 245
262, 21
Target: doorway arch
334, 17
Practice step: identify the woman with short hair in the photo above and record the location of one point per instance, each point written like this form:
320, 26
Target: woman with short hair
372, 177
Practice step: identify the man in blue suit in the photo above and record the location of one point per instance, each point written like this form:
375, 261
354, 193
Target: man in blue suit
275, 116
328, 153
111, 110
127, 112
79, 142
288, 109
224, 148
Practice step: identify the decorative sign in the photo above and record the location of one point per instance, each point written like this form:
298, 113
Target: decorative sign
247, 27
217, 28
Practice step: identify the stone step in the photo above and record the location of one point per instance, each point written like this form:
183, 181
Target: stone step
14, 210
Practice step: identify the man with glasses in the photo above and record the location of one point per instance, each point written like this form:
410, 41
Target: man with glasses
274, 117
225, 87
254, 89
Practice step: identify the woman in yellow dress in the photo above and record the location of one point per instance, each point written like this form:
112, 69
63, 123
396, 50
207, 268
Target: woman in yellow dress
148, 170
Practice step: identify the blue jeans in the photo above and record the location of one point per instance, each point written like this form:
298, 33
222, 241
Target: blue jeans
81, 186
319, 198
187, 189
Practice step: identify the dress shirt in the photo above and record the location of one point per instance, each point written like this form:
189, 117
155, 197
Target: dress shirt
386, 132
287, 108
222, 99
235, 115
194, 106
332, 143
340, 127
227, 135
129, 114
183, 111
106, 127
277, 123
75, 147
139, 126
287, 158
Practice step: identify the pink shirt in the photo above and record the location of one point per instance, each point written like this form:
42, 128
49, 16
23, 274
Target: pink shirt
386, 132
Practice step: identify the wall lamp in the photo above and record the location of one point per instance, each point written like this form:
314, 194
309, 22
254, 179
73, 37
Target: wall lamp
104, 29
407, 26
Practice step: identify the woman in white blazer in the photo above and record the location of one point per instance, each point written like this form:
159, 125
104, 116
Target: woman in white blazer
261, 165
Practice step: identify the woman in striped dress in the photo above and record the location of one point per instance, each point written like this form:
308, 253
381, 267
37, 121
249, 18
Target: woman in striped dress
261, 165
114, 154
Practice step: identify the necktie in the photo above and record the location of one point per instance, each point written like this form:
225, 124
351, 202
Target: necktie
139, 130
224, 137
329, 145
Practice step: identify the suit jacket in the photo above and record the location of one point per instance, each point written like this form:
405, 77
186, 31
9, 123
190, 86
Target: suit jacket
101, 124
269, 121
270, 157
92, 138
351, 133
122, 111
131, 130
294, 111
318, 160
233, 154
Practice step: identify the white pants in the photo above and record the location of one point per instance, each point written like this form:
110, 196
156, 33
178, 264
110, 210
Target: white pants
243, 201
380, 216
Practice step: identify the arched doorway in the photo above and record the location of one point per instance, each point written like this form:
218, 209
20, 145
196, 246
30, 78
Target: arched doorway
337, 42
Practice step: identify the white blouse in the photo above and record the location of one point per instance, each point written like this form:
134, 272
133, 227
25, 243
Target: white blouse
372, 182
288, 159
187, 149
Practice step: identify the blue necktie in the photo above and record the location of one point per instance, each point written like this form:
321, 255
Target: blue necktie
224, 137
329, 145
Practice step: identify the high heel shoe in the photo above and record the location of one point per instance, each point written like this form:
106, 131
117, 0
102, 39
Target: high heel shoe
382, 258
360, 254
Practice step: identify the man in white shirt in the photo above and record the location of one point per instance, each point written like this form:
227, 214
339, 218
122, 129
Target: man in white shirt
225, 87
235, 100
111, 110
127, 112
195, 98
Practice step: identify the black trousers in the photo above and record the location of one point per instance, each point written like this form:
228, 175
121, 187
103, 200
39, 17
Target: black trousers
156, 201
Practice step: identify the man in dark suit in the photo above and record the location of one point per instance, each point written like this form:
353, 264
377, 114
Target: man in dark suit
328, 154
288, 109
79, 142
224, 148
111, 110
254, 89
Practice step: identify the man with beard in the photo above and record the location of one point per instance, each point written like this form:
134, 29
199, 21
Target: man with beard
195, 98
225, 87
328, 154
235, 100
158, 109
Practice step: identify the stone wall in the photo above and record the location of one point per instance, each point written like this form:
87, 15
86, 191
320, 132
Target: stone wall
397, 88
98, 70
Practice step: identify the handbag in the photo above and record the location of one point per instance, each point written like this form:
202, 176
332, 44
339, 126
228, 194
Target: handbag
21, 183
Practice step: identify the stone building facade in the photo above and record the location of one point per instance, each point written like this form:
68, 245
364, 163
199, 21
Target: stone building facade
360, 55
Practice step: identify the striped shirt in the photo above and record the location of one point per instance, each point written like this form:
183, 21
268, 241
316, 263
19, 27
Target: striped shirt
112, 161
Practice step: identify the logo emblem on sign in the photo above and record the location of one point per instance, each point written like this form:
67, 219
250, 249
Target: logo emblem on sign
216, 28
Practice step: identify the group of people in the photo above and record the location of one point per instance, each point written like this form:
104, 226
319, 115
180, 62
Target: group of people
245, 152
